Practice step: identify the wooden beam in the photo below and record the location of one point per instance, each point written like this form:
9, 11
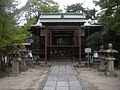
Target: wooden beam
67, 28
63, 46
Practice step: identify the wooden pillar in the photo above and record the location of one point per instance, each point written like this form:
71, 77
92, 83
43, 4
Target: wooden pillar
46, 34
39, 45
76, 37
79, 36
50, 38
73, 55
50, 43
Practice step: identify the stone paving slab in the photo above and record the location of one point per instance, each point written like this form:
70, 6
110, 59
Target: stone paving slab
50, 83
62, 84
49, 88
75, 88
62, 88
62, 77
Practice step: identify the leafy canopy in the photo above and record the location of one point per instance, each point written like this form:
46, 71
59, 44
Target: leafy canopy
9, 32
109, 17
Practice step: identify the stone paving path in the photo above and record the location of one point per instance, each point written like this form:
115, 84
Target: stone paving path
62, 77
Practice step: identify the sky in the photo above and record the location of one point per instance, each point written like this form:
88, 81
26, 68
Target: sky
62, 3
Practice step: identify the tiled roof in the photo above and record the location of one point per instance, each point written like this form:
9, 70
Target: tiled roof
61, 17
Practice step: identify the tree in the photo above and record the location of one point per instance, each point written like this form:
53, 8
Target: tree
75, 8
34, 8
6, 22
78, 8
9, 32
110, 16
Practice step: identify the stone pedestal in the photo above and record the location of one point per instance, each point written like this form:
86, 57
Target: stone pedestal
102, 64
110, 61
110, 67
15, 67
23, 60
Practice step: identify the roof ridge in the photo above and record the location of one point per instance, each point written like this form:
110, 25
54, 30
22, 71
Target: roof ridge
73, 13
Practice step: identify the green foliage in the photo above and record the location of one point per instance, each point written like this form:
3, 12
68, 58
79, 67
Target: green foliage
94, 41
90, 13
75, 8
9, 32
109, 17
112, 36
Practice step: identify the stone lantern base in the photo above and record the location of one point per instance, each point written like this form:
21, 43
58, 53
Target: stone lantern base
110, 69
110, 74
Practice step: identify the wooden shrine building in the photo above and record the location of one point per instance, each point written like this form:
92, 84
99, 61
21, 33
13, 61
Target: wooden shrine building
60, 36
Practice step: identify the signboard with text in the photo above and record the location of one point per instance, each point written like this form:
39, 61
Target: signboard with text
87, 50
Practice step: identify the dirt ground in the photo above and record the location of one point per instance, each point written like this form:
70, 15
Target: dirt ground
95, 80
29, 80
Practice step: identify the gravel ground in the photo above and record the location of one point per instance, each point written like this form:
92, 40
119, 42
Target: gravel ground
95, 80
29, 80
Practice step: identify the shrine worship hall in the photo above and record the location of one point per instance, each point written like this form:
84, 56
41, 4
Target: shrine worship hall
59, 37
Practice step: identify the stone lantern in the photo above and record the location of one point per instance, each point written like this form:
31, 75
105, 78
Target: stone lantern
110, 61
102, 59
15, 63
23, 56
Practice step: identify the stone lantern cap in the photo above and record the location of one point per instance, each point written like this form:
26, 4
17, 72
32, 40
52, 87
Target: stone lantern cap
102, 50
23, 50
110, 50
